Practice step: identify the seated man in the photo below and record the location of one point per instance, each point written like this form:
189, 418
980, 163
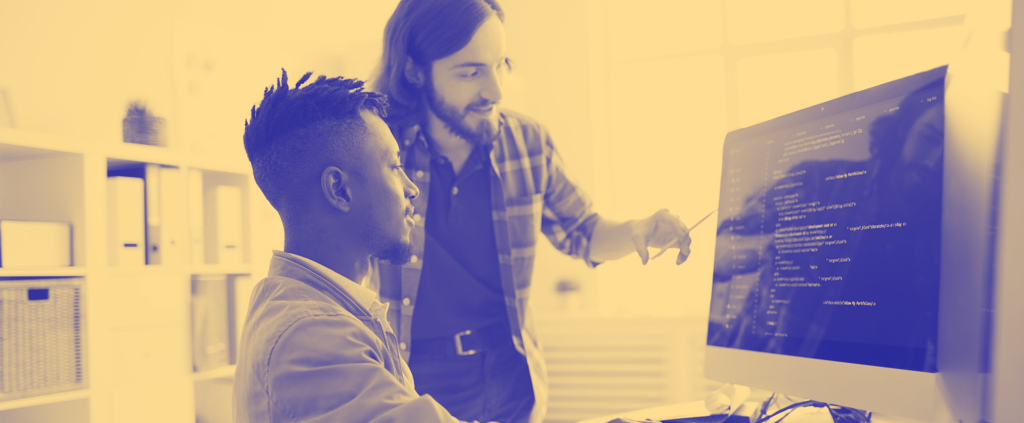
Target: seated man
316, 345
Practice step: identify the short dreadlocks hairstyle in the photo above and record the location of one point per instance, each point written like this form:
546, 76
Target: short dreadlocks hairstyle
296, 132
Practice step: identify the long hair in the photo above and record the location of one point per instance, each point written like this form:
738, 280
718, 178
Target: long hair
424, 31
889, 132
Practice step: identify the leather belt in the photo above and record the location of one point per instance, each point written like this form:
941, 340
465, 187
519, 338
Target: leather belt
468, 342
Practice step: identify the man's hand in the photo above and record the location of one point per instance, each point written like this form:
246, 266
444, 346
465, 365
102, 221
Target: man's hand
661, 230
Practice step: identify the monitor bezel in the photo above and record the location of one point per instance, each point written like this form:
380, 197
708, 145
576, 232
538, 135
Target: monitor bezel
908, 393
877, 389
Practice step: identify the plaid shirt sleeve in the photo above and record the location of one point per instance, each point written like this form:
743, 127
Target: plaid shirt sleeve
568, 217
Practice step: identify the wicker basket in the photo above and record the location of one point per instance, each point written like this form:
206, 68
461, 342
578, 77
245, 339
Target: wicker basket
42, 349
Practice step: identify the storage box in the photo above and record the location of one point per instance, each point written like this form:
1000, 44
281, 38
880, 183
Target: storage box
26, 243
42, 348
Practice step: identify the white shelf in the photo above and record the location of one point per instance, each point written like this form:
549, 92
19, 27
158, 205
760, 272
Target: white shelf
43, 271
19, 142
128, 152
44, 399
220, 372
193, 269
142, 270
221, 269
219, 163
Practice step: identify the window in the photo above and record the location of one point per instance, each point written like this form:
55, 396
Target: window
677, 75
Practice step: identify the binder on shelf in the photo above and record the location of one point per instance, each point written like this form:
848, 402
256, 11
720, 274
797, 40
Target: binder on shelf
228, 202
34, 244
170, 206
197, 247
42, 344
210, 331
126, 221
153, 189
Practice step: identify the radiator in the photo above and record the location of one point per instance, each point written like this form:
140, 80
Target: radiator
599, 365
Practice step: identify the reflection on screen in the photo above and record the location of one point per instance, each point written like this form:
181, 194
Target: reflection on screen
828, 237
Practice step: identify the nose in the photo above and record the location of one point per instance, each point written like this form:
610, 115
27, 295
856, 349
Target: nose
492, 86
410, 188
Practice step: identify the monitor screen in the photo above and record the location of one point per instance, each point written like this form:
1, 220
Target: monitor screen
828, 236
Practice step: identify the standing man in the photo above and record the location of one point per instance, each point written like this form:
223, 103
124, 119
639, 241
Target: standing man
316, 346
490, 181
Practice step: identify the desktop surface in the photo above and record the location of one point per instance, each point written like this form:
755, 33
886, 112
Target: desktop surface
690, 412
747, 413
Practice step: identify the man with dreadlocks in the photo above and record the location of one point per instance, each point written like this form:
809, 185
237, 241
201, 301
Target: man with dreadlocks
316, 346
496, 182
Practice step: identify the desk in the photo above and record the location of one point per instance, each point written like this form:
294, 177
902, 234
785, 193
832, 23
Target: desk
696, 408
685, 409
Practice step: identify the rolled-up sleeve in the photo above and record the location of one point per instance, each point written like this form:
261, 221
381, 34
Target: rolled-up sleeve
327, 368
568, 218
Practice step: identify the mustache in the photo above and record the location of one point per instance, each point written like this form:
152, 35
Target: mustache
480, 104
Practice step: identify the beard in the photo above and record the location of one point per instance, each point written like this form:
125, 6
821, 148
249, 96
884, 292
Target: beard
387, 244
454, 120
397, 253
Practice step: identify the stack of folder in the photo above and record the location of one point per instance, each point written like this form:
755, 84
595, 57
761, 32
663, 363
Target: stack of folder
144, 209
215, 220
145, 212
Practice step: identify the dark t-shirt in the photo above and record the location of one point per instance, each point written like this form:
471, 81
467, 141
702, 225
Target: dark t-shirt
460, 286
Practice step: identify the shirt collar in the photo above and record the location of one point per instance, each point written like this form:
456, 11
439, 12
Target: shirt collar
362, 295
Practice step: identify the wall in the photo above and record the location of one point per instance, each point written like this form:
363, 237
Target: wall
670, 78
1007, 382
638, 95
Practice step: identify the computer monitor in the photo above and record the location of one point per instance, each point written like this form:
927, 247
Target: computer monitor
827, 256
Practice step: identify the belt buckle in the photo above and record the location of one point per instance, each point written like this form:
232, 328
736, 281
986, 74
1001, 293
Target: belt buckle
458, 343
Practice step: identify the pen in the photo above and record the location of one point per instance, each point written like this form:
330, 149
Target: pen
663, 250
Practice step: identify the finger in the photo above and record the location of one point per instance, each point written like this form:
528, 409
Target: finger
663, 250
641, 246
674, 223
684, 253
684, 249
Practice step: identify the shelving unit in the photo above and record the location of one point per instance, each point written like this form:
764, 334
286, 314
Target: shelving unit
44, 399
66, 271
138, 320
221, 372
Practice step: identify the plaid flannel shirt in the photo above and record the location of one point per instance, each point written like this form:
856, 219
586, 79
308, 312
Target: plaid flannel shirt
530, 193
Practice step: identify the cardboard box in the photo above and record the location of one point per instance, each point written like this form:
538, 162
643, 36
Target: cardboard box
26, 243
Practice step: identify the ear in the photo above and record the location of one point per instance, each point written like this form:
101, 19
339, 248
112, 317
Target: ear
413, 73
336, 188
